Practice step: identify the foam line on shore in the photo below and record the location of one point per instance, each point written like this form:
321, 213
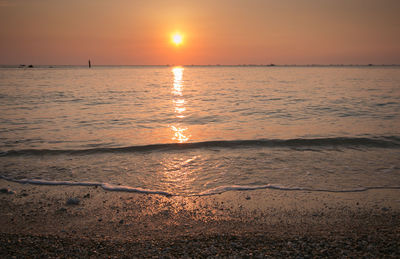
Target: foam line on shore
209, 192
105, 186
222, 189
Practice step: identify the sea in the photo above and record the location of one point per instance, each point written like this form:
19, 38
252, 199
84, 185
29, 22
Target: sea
202, 130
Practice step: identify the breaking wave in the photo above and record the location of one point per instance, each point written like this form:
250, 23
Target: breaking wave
345, 142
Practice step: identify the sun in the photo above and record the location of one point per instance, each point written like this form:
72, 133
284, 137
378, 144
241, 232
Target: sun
177, 38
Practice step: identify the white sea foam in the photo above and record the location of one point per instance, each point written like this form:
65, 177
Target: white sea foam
105, 186
212, 191
222, 189
121, 188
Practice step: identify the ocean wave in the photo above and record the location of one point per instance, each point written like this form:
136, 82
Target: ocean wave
379, 142
209, 192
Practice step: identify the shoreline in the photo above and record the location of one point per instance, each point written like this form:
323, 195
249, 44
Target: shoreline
40, 221
209, 192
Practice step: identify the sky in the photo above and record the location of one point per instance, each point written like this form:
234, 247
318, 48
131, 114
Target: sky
226, 32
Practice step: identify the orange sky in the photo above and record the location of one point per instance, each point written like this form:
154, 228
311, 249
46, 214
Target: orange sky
128, 32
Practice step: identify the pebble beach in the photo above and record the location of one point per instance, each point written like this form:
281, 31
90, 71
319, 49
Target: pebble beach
199, 129
43, 221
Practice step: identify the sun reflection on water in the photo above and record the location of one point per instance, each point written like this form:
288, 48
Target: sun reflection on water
179, 106
180, 173
178, 82
179, 134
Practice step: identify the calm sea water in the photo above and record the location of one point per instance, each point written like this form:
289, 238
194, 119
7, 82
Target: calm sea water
202, 130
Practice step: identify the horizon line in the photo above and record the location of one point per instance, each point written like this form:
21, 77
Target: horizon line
194, 65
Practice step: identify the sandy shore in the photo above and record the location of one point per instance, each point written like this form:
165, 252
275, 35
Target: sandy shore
45, 221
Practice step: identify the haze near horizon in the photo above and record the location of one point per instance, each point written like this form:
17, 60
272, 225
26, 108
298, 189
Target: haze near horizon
213, 32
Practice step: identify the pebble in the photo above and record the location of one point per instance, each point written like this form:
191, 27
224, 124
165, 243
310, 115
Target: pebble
73, 201
6, 191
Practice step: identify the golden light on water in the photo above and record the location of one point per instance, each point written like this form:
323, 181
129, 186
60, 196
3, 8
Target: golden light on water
178, 83
179, 132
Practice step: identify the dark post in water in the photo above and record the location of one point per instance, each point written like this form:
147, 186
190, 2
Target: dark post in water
90, 65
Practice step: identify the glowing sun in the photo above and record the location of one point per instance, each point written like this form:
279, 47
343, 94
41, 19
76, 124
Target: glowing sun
177, 38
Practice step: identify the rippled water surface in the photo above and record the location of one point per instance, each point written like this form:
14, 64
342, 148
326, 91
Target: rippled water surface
187, 130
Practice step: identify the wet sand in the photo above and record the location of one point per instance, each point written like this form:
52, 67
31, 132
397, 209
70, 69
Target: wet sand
73, 221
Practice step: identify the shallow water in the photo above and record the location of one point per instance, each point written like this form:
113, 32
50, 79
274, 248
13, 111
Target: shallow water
192, 130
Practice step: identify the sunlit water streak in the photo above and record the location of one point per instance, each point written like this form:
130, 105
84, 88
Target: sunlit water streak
192, 130
180, 132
